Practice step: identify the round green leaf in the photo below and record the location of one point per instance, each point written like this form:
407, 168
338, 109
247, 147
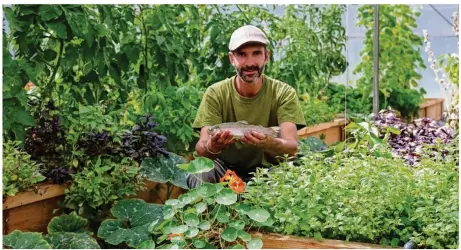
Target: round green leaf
229, 234
172, 202
198, 165
226, 197
179, 229
255, 244
259, 214
204, 225
192, 232
238, 246
237, 224
207, 189
223, 217
168, 212
244, 235
242, 208
199, 243
200, 207
191, 220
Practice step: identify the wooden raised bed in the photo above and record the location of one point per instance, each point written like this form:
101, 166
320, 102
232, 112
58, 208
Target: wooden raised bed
278, 241
333, 131
432, 108
32, 210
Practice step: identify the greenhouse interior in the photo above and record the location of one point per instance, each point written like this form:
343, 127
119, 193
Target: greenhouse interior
217, 126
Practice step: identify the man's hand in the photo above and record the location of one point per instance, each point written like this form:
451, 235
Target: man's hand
257, 139
219, 141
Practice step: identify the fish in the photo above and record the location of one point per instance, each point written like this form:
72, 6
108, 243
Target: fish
238, 129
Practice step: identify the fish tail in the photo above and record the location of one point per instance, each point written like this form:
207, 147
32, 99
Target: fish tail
276, 130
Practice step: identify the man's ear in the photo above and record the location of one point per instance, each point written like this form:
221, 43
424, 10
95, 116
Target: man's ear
231, 58
268, 55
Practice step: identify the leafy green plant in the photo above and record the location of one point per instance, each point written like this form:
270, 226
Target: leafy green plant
316, 111
347, 99
64, 232
310, 41
305, 198
19, 171
102, 182
399, 57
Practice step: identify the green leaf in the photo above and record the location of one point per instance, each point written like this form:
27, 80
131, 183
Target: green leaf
244, 235
49, 55
199, 243
148, 244
238, 246
22, 116
28, 240
242, 208
66, 240
163, 169
49, 11
68, 223
138, 214
191, 220
226, 197
208, 189
198, 165
179, 229
229, 234
204, 225
160, 40
255, 244
259, 214
192, 232
59, 28
223, 217
200, 207
237, 224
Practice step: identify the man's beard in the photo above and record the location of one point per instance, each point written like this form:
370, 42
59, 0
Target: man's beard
247, 79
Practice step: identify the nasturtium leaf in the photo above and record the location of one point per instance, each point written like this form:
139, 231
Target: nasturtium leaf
226, 197
258, 214
179, 229
200, 207
237, 224
132, 226
172, 202
242, 208
65, 240
229, 234
192, 232
198, 165
191, 219
71, 223
255, 244
199, 243
204, 225
244, 235
26, 240
188, 197
148, 244
222, 217
207, 189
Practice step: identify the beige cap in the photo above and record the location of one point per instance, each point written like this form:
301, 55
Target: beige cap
245, 34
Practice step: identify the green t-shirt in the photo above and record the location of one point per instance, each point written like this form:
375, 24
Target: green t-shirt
275, 103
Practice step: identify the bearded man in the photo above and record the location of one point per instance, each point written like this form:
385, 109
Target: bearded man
249, 96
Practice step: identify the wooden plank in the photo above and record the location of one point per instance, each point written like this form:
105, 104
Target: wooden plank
278, 241
430, 102
322, 126
333, 131
31, 217
435, 111
44, 191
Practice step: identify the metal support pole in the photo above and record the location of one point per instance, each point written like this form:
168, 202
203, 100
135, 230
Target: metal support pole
376, 62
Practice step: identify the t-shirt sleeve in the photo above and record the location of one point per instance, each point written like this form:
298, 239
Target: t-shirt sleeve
209, 111
289, 109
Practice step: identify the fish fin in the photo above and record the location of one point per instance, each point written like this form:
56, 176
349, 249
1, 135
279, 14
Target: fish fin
243, 122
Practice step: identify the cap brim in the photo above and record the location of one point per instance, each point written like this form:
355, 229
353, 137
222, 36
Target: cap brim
237, 46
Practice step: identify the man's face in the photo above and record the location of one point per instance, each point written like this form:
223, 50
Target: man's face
249, 62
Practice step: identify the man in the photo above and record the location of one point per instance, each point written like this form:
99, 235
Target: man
249, 96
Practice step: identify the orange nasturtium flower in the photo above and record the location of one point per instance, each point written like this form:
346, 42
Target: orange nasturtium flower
170, 237
234, 181
29, 86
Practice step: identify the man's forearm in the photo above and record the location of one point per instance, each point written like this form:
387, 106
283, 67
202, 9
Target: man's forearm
278, 147
201, 149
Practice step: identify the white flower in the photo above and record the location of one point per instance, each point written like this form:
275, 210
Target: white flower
429, 59
431, 53
425, 32
426, 49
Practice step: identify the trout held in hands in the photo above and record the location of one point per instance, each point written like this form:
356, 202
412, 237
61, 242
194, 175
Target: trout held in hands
238, 129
